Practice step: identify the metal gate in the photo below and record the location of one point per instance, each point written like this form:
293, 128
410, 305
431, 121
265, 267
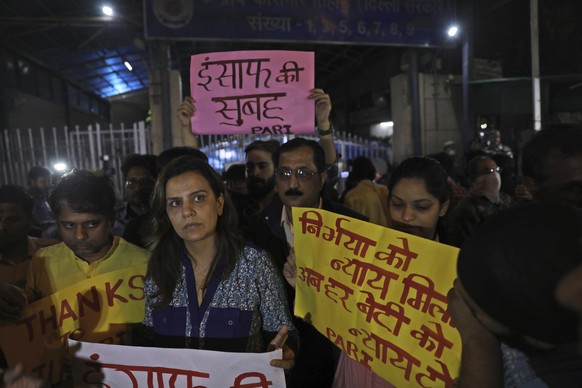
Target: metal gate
77, 148
85, 148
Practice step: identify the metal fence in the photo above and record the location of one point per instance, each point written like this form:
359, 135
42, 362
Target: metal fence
84, 149
223, 150
76, 148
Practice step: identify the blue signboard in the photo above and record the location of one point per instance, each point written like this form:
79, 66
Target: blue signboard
381, 22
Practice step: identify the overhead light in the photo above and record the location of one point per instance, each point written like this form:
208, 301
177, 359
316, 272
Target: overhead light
107, 10
483, 125
452, 31
128, 65
382, 130
60, 166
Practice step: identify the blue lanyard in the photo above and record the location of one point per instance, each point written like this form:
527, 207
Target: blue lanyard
197, 312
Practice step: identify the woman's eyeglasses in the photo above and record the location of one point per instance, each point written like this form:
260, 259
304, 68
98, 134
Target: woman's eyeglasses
301, 173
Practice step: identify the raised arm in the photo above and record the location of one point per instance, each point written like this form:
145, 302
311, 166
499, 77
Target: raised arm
324, 127
185, 111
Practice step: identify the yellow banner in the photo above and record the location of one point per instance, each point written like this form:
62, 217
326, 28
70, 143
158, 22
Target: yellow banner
95, 310
379, 295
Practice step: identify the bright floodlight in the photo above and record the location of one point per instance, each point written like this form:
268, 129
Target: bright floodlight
107, 10
387, 124
60, 166
453, 31
128, 65
483, 125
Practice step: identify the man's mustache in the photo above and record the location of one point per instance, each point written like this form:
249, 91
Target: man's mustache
293, 192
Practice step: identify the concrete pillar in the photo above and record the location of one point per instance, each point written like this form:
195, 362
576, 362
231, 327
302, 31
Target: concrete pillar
435, 93
179, 136
402, 145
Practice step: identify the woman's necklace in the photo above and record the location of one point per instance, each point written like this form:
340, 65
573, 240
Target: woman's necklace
200, 267
200, 278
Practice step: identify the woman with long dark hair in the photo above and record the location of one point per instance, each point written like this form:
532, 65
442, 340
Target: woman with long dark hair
206, 288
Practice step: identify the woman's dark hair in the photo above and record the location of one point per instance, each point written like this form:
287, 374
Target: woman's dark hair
166, 156
165, 266
428, 170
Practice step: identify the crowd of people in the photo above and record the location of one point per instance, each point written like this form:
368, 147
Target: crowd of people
221, 250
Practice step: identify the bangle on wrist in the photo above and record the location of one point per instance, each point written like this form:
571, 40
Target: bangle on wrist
325, 132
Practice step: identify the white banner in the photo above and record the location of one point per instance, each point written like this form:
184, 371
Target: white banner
131, 366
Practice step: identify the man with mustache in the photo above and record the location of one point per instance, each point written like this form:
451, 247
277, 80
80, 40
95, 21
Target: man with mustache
261, 207
260, 158
301, 172
261, 155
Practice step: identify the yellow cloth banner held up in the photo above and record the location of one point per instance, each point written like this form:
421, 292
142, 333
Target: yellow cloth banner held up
95, 310
379, 295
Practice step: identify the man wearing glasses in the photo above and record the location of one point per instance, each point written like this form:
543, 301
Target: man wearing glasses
485, 198
301, 173
139, 174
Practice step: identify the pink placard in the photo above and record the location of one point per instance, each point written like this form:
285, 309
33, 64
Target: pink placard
253, 92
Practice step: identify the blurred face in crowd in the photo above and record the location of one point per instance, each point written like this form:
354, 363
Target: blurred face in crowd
139, 185
260, 173
239, 186
299, 184
495, 140
414, 210
564, 178
14, 225
193, 208
88, 235
42, 183
487, 166
488, 175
